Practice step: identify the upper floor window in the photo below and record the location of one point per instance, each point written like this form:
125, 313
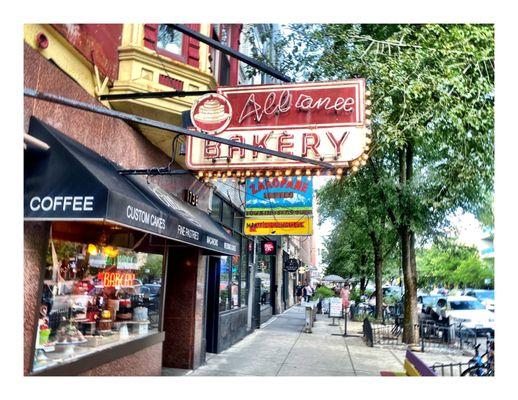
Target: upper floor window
170, 40
220, 63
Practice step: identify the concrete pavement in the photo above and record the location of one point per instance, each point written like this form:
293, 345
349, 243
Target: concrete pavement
281, 348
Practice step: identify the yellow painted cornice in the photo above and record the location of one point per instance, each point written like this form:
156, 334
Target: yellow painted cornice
161, 63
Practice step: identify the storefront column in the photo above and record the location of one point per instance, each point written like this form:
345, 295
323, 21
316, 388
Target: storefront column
183, 308
36, 240
291, 300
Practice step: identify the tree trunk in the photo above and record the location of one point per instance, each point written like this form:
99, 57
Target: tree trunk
378, 273
410, 322
363, 285
408, 260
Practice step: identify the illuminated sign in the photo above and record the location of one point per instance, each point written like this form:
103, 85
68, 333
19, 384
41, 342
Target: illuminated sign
279, 226
269, 199
268, 247
116, 278
324, 121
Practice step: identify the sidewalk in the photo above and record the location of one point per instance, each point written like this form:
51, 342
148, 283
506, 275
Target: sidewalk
281, 348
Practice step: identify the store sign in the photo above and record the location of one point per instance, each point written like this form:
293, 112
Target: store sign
279, 226
323, 121
335, 307
291, 265
279, 206
116, 278
127, 262
268, 247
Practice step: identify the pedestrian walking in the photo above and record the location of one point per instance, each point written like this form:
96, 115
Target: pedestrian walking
344, 294
308, 292
299, 292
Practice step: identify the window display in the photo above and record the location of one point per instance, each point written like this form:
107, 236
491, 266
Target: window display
95, 297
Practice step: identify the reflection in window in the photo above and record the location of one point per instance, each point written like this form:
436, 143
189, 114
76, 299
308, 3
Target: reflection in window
169, 39
216, 207
244, 271
93, 298
263, 272
228, 215
224, 274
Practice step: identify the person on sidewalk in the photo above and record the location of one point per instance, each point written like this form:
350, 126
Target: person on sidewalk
298, 292
308, 292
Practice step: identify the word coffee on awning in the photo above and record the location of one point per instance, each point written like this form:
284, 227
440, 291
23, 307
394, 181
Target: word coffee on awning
323, 121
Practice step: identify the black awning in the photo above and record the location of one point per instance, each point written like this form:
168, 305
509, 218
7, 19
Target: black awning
71, 182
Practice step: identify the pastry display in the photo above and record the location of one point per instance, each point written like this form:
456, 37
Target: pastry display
125, 311
140, 314
105, 325
67, 333
211, 112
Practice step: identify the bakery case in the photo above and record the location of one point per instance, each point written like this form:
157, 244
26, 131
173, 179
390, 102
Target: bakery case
94, 297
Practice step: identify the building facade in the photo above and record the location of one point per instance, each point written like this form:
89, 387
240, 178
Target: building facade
116, 281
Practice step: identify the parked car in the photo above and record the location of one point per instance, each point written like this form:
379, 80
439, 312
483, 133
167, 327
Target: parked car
486, 297
469, 312
430, 300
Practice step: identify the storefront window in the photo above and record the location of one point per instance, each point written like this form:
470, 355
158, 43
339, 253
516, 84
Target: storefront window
228, 215
263, 272
95, 297
224, 274
216, 207
236, 267
169, 39
244, 271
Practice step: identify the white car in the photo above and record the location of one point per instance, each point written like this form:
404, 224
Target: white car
469, 312
486, 297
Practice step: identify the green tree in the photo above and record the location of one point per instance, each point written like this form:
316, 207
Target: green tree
450, 264
432, 106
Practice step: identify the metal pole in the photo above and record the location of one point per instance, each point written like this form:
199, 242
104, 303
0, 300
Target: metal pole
345, 322
167, 127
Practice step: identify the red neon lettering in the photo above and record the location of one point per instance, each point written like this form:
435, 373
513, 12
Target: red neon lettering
211, 150
285, 143
260, 143
313, 145
337, 143
232, 149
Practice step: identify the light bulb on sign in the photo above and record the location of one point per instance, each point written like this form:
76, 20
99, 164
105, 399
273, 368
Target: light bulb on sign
229, 173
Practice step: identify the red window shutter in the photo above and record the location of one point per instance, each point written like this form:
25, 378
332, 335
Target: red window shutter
193, 47
150, 35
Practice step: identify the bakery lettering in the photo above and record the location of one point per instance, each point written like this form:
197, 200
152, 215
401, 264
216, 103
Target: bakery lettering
283, 142
190, 233
62, 203
145, 217
212, 241
116, 278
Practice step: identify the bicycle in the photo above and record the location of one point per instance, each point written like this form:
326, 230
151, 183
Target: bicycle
481, 365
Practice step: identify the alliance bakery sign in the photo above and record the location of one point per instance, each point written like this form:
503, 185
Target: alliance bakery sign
324, 121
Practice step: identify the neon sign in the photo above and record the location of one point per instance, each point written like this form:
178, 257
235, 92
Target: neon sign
326, 121
116, 278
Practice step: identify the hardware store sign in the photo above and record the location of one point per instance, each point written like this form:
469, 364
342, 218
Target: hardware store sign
279, 206
322, 121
